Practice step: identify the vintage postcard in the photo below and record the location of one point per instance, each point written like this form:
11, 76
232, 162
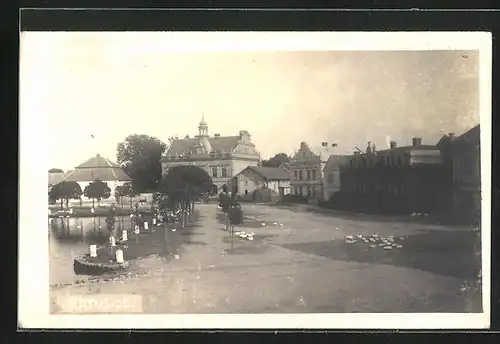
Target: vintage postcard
255, 180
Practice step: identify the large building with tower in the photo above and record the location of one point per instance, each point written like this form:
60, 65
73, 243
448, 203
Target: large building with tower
223, 157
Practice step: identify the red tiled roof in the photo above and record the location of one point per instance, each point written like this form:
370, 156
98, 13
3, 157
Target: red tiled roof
271, 173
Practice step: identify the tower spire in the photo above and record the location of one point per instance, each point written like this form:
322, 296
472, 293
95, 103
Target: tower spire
203, 127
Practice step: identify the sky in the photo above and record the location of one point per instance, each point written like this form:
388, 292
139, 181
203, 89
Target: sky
107, 86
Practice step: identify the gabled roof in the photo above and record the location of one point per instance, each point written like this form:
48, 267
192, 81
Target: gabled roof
304, 153
225, 144
97, 168
470, 136
181, 146
220, 144
270, 173
334, 161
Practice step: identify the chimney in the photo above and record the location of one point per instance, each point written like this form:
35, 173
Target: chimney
393, 144
98, 155
216, 135
417, 141
451, 135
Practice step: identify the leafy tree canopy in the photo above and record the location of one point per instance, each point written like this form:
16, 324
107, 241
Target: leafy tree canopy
185, 183
66, 190
276, 160
97, 190
140, 157
125, 190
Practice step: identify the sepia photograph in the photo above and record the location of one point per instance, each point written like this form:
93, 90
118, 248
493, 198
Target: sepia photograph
255, 180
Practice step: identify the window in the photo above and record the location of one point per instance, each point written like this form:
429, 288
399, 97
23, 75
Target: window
331, 178
309, 191
214, 172
313, 174
308, 175
300, 175
246, 182
296, 175
224, 172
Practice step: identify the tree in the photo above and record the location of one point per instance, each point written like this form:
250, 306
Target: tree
97, 190
125, 190
65, 191
276, 160
140, 157
182, 185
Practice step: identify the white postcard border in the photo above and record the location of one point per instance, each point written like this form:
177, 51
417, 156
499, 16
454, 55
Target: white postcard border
33, 303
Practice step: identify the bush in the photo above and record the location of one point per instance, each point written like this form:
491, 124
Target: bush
295, 199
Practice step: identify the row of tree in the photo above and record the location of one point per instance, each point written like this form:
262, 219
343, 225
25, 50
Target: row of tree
66, 190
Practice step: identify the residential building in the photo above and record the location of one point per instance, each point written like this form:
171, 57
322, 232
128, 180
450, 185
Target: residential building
222, 157
252, 178
100, 168
306, 171
464, 171
405, 179
331, 175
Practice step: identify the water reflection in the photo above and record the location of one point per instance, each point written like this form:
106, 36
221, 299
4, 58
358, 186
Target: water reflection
70, 237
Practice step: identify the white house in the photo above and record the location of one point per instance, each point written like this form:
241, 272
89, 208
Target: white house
331, 175
100, 168
276, 179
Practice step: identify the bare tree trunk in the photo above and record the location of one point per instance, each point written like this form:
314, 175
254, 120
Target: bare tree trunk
62, 207
183, 214
93, 202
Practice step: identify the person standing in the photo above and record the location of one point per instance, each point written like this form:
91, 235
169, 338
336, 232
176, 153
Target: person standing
369, 148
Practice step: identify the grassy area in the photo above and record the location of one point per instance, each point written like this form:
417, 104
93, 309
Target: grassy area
160, 240
453, 253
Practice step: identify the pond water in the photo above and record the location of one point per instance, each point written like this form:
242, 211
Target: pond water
71, 237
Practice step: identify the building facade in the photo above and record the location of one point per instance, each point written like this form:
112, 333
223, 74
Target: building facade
100, 168
331, 175
252, 178
222, 157
305, 169
403, 180
465, 152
